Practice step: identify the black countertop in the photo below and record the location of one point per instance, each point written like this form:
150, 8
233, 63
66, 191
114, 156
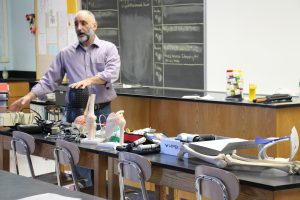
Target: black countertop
269, 179
176, 94
218, 97
14, 187
31, 80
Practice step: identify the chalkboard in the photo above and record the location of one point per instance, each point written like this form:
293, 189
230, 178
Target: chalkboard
161, 42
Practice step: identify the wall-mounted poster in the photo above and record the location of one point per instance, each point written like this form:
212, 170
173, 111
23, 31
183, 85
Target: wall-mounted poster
3, 32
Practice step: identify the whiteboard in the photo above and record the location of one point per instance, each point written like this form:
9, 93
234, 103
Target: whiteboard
260, 37
3, 32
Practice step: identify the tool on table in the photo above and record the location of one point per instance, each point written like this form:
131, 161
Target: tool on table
274, 98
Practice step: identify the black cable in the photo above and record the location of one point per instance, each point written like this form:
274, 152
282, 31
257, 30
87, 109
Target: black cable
31, 110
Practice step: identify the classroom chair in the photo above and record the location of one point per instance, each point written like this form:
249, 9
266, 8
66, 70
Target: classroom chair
24, 144
135, 168
66, 153
216, 184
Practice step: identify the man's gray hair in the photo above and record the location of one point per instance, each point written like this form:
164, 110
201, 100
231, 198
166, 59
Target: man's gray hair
89, 13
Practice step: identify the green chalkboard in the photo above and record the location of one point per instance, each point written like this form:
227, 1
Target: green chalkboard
161, 42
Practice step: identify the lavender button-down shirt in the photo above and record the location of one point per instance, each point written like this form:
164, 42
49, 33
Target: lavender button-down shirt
99, 59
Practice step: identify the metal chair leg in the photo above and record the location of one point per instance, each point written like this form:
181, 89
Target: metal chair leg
30, 164
13, 145
121, 181
57, 168
74, 175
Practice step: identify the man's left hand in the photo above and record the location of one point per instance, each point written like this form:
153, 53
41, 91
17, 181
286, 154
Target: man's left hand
81, 84
94, 80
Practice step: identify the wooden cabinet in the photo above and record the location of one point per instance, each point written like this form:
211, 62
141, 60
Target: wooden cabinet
17, 90
230, 120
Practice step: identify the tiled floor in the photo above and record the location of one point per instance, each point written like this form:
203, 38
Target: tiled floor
40, 165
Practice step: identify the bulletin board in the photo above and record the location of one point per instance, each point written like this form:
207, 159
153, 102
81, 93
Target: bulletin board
55, 30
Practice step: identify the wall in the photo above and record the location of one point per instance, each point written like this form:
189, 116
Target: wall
8, 64
21, 41
260, 37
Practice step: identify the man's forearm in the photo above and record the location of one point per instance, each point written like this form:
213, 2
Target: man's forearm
95, 80
31, 96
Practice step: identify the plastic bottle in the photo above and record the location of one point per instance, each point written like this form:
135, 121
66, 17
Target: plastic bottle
187, 137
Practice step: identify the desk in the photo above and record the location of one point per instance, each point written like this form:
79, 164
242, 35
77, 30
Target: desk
167, 171
89, 157
14, 187
268, 184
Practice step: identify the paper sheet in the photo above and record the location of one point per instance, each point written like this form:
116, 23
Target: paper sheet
206, 97
219, 145
42, 44
52, 49
51, 35
42, 22
49, 196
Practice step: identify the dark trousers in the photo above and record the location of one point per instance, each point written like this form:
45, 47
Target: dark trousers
71, 114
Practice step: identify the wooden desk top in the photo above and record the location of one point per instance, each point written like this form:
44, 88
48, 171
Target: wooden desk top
14, 187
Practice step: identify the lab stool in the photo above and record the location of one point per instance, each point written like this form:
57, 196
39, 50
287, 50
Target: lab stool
216, 184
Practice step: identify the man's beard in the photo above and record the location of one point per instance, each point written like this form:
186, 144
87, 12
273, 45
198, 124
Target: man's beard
84, 37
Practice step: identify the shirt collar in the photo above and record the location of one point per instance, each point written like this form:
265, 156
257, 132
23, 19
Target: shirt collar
96, 43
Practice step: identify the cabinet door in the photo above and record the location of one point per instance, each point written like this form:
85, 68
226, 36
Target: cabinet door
17, 90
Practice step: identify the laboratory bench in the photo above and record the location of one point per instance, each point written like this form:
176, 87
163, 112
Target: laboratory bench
165, 110
167, 171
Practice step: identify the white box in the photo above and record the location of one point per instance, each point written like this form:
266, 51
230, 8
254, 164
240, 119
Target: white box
171, 146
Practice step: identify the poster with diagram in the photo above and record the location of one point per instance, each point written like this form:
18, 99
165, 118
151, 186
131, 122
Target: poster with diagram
55, 30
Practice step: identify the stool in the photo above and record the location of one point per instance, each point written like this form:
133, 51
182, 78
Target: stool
216, 184
133, 167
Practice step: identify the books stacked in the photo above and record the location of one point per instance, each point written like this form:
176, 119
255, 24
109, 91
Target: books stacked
4, 89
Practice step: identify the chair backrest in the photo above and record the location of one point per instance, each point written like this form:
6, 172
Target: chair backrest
66, 153
129, 172
64, 147
213, 179
24, 144
22, 139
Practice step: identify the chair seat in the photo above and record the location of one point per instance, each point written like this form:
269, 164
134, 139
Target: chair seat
134, 193
51, 178
137, 195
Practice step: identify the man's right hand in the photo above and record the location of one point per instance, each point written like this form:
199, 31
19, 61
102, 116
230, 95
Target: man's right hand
19, 104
